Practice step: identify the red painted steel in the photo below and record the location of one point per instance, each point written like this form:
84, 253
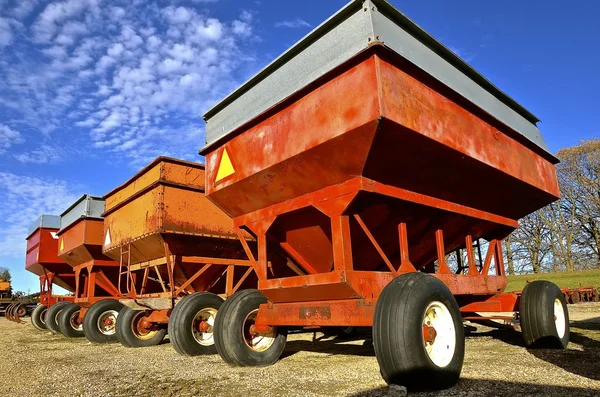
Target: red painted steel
96, 275
42, 260
373, 171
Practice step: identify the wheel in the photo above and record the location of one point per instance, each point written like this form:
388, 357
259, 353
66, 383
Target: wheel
191, 324
52, 316
100, 321
235, 340
544, 316
68, 321
38, 317
21, 310
575, 297
418, 333
132, 331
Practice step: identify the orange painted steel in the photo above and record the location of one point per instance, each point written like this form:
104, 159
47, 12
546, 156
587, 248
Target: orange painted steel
42, 260
170, 240
96, 275
376, 170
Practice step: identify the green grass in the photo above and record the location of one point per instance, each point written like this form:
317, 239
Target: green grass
576, 279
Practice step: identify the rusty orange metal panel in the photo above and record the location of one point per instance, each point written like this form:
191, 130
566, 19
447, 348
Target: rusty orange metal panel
82, 241
163, 169
164, 202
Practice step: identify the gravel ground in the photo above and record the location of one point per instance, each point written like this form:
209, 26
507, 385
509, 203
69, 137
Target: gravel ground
37, 363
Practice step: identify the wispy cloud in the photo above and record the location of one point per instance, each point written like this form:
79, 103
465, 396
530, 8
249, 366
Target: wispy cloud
294, 24
23, 199
45, 154
127, 75
8, 137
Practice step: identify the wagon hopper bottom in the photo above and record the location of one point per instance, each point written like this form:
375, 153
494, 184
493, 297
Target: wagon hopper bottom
95, 307
178, 256
367, 175
42, 260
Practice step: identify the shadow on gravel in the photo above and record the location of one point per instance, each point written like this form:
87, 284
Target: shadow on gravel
333, 344
583, 363
489, 388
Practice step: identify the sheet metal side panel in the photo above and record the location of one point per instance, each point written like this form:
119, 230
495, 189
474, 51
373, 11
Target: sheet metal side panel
135, 219
73, 213
95, 207
183, 175
133, 186
401, 42
186, 211
347, 38
334, 48
45, 221
88, 206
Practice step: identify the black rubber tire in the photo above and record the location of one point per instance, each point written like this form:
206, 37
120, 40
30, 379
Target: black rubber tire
229, 336
126, 335
91, 329
181, 319
64, 321
536, 309
52, 316
38, 317
398, 333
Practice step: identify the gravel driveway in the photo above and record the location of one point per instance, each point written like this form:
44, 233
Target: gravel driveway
37, 363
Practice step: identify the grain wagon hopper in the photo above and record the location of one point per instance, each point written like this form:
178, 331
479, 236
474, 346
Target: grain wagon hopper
42, 260
94, 311
368, 152
172, 245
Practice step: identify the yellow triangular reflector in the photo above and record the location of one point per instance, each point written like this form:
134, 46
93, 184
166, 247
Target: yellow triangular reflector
225, 167
62, 244
107, 240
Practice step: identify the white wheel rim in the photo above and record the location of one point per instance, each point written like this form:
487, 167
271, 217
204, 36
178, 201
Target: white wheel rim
107, 322
204, 318
559, 318
43, 316
440, 343
257, 342
74, 323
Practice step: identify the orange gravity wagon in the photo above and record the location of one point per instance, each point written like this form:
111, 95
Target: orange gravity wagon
178, 254
43, 261
367, 153
94, 311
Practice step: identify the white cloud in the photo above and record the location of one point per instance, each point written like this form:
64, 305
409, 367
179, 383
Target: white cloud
25, 198
8, 137
45, 154
23, 8
6, 33
295, 23
46, 25
134, 79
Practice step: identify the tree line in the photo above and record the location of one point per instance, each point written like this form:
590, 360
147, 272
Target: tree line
565, 235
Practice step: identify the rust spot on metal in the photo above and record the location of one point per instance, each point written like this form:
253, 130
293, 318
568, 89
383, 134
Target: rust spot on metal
315, 312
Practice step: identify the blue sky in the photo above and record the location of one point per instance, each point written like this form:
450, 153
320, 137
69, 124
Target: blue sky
91, 90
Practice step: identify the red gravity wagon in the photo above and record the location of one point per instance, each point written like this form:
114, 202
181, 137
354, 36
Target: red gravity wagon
367, 153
